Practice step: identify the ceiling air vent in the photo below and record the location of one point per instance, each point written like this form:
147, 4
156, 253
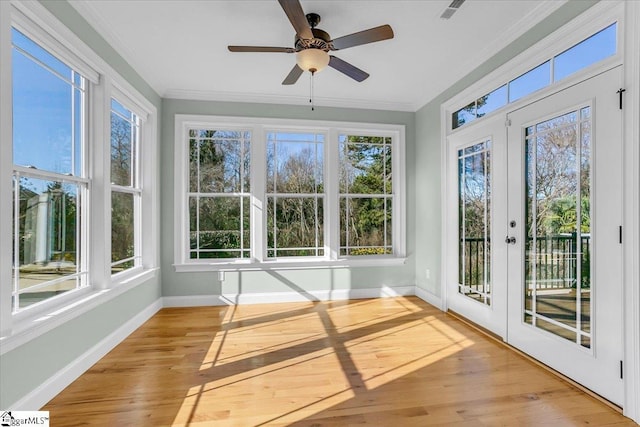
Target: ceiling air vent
451, 9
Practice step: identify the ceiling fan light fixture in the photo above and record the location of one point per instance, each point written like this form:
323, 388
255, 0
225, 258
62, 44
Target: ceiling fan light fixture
312, 60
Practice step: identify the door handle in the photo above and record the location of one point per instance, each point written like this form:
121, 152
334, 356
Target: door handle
510, 240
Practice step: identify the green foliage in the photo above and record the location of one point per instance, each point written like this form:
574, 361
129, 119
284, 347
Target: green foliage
366, 170
294, 224
369, 251
562, 216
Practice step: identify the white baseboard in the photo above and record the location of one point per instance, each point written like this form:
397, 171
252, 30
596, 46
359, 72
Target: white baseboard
42, 394
321, 295
193, 301
275, 297
428, 297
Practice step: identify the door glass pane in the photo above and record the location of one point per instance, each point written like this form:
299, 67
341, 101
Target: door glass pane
474, 194
558, 214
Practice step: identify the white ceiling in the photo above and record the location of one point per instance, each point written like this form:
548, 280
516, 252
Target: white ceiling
180, 46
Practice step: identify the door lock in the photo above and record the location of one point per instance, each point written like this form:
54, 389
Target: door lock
510, 240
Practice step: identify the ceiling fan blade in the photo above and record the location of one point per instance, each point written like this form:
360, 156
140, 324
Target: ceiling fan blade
383, 32
296, 15
350, 70
261, 49
293, 76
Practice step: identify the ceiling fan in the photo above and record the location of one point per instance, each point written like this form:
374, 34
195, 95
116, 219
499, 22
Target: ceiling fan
312, 45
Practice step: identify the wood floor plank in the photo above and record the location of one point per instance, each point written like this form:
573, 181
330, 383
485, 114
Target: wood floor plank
382, 362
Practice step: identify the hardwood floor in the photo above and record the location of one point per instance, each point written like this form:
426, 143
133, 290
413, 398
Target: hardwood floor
383, 362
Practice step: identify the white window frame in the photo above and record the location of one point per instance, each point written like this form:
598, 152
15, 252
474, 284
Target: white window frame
82, 180
136, 187
35, 21
275, 195
238, 195
352, 196
146, 209
259, 127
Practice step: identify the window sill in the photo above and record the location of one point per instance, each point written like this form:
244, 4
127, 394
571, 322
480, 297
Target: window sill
30, 324
297, 264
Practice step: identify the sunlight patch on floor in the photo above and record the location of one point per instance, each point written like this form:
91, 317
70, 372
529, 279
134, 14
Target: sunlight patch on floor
343, 353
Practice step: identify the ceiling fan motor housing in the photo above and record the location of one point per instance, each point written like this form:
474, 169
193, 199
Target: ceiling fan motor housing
321, 39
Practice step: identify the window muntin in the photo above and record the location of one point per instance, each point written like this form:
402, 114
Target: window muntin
366, 195
597, 47
295, 194
126, 190
49, 188
219, 193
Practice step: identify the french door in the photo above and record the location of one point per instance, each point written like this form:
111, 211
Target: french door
478, 200
539, 260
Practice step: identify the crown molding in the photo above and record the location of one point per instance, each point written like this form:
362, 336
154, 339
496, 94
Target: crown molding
197, 95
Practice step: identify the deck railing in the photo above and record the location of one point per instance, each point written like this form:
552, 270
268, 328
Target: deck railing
554, 259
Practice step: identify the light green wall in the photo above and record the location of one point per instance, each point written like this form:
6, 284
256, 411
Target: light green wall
28, 366
428, 230
179, 284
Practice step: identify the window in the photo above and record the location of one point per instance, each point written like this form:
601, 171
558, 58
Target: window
366, 195
295, 194
266, 192
50, 188
126, 192
596, 48
219, 190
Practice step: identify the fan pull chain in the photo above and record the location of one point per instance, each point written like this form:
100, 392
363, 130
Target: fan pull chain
311, 90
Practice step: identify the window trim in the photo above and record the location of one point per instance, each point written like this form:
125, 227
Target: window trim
259, 128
